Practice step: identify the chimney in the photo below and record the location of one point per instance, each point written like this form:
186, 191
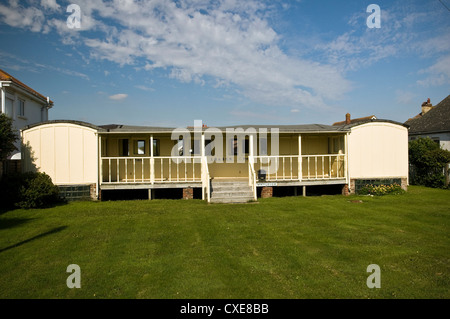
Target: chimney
426, 106
347, 118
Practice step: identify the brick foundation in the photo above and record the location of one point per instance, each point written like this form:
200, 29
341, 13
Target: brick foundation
404, 184
188, 193
93, 192
345, 190
352, 187
266, 192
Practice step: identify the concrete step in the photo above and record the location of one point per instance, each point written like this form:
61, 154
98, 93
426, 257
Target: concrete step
230, 184
231, 200
222, 189
247, 193
231, 192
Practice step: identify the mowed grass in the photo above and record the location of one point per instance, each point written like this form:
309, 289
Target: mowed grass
292, 247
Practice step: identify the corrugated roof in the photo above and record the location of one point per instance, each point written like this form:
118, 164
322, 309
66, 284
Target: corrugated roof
435, 120
349, 126
305, 128
118, 128
4, 76
81, 123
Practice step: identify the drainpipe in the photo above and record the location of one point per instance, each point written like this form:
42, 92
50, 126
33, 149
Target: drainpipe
99, 164
2, 89
347, 164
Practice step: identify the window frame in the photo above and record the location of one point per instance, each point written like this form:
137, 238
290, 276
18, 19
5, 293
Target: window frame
21, 107
138, 149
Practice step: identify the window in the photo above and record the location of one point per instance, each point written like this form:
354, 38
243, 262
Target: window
123, 147
234, 146
179, 144
196, 148
104, 147
208, 150
9, 107
246, 146
336, 145
436, 140
21, 111
139, 147
263, 146
155, 147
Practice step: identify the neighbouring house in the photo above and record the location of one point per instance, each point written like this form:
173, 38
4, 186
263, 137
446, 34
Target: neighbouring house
349, 120
223, 164
25, 106
432, 122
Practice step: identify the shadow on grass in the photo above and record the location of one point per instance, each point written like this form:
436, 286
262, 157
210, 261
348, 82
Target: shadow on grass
61, 202
13, 222
52, 231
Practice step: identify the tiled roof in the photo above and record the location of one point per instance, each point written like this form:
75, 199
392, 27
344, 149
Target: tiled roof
7, 77
435, 120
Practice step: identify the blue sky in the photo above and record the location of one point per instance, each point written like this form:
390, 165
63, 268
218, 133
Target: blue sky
229, 62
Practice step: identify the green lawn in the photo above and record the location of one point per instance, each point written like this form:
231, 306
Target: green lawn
293, 247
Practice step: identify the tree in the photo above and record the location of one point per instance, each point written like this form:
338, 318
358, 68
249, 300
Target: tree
429, 160
7, 137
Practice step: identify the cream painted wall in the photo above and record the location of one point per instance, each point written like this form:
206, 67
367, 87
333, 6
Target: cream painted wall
378, 150
66, 152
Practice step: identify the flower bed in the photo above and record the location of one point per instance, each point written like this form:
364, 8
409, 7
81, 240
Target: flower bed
379, 190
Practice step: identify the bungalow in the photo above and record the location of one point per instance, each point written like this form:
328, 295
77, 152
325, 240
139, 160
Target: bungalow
223, 164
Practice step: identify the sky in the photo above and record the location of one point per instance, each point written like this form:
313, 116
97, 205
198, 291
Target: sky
228, 62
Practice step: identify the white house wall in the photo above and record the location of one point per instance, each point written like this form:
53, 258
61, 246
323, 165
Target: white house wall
66, 152
34, 112
444, 138
378, 150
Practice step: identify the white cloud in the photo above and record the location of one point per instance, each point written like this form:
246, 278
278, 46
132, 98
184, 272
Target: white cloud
439, 73
50, 4
118, 97
145, 88
400, 35
18, 16
227, 40
15, 62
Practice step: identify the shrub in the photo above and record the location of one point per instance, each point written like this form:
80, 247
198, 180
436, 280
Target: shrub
428, 160
29, 190
7, 137
379, 190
